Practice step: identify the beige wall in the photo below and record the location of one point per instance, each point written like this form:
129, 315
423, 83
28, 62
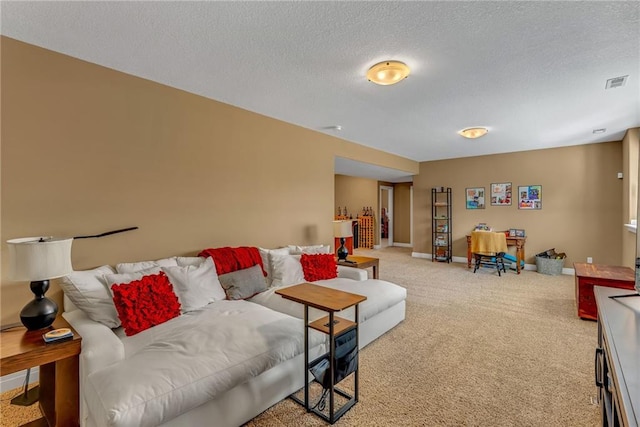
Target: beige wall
581, 200
359, 192
402, 213
86, 149
355, 193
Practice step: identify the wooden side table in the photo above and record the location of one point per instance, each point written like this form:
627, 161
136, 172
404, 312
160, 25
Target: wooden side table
590, 275
59, 363
363, 262
329, 300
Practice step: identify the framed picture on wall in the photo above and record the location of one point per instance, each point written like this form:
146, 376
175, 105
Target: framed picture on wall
530, 197
474, 197
501, 194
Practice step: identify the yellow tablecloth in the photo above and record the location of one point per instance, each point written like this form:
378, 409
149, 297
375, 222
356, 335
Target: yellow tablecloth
488, 242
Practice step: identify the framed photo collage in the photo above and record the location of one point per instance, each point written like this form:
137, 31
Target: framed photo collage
529, 197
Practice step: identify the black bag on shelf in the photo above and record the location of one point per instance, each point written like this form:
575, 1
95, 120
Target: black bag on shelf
346, 360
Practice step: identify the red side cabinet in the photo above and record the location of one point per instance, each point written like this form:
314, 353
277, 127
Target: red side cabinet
590, 275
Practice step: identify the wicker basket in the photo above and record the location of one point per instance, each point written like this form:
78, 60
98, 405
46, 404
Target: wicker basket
551, 266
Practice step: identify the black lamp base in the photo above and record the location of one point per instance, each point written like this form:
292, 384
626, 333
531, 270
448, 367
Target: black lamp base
28, 398
342, 251
40, 312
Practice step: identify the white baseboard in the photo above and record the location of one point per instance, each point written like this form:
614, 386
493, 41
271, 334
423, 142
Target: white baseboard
532, 267
429, 256
15, 380
420, 255
402, 245
459, 259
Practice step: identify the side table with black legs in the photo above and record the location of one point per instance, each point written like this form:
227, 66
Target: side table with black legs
331, 301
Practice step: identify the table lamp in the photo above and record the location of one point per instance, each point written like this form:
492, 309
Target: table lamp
342, 230
38, 259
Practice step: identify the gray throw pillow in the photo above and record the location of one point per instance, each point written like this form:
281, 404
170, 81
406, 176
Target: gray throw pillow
243, 284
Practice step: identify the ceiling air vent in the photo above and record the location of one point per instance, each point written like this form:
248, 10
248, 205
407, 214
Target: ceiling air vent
616, 82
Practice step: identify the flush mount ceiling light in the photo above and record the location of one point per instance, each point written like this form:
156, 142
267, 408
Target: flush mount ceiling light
388, 72
473, 133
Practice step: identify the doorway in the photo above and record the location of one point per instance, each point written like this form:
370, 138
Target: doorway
386, 216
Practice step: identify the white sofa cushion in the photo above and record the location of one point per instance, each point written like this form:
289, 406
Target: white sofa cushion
352, 273
267, 263
189, 360
287, 270
87, 291
119, 278
380, 296
195, 286
101, 345
190, 260
311, 249
132, 267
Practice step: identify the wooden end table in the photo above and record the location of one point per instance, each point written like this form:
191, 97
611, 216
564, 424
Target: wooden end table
329, 300
363, 262
59, 364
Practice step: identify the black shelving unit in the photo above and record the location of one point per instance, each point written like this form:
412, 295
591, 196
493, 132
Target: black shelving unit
441, 224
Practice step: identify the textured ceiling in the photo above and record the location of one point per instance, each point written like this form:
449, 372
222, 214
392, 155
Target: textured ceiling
534, 73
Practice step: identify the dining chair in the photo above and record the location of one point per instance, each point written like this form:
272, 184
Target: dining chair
488, 249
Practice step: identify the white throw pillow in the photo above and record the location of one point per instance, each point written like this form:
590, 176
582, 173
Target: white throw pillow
313, 249
88, 292
120, 278
196, 286
287, 270
132, 267
189, 260
266, 255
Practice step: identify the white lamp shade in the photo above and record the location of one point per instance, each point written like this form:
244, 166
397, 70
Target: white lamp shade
31, 259
342, 229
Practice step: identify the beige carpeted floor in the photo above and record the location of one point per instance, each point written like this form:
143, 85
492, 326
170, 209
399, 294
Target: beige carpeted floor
474, 350
13, 416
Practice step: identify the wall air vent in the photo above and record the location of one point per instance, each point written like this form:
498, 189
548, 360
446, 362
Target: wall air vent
616, 82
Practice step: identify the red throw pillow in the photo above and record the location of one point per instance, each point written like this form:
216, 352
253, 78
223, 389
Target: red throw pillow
318, 267
144, 303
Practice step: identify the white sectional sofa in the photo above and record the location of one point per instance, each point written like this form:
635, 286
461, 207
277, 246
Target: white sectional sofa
226, 360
